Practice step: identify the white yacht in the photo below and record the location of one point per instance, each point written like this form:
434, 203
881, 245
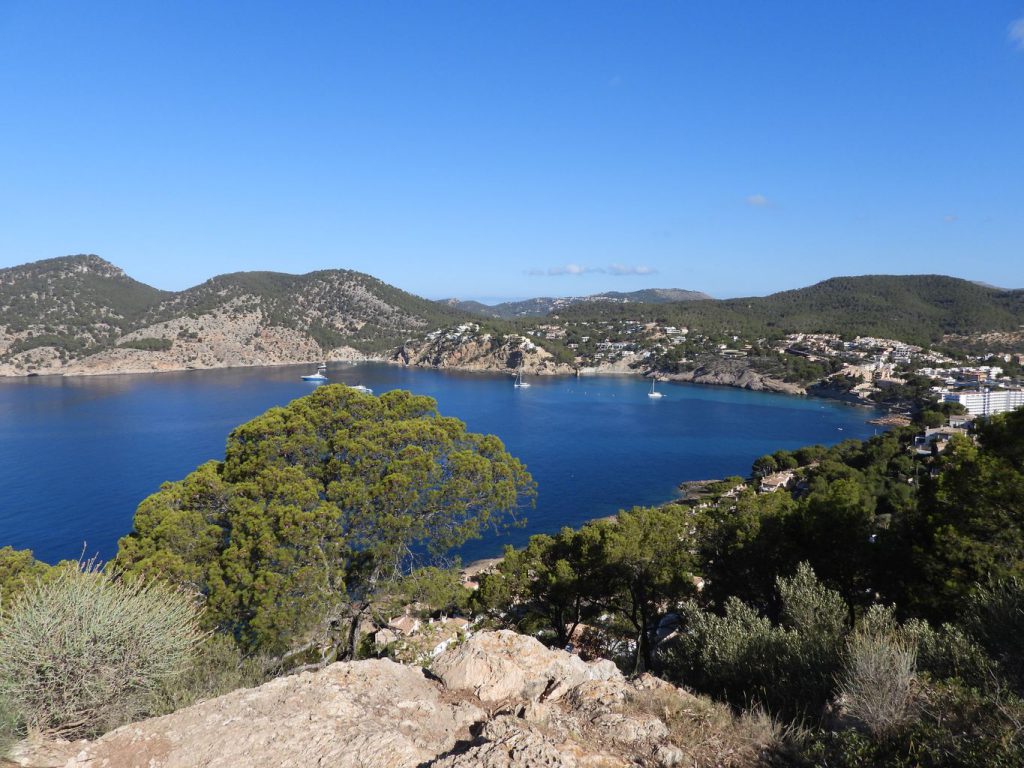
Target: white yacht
520, 384
653, 392
361, 388
320, 375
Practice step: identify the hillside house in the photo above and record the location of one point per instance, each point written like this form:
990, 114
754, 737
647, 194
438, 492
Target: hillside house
775, 481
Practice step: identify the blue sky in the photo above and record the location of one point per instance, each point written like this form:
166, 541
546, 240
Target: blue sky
507, 149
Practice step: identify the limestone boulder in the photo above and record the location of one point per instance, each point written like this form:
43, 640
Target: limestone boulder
496, 666
367, 714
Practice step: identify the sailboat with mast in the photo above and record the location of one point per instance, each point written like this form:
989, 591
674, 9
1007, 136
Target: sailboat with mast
654, 393
520, 384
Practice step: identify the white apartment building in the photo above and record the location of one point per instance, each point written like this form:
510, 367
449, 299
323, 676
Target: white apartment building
985, 402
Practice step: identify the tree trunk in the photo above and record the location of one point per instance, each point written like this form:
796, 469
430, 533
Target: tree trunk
352, 642
643, 644
641, 652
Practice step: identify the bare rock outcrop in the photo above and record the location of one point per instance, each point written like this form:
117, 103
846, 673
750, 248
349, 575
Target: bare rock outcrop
499, 700
466, 348
735, 373
367, 714
497, 666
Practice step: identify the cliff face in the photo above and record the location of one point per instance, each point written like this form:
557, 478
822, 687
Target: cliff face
734, 373
466, 348
215, 339
499, 700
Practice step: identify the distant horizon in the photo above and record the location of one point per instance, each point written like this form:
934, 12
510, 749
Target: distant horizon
527, 149
493, 300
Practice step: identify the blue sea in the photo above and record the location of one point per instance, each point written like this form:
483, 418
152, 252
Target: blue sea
78, 454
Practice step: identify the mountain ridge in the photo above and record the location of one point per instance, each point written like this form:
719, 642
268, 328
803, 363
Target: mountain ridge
544, 305
82, 314
921, 309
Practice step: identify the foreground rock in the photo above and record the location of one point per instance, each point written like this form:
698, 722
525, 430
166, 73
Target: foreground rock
497, 701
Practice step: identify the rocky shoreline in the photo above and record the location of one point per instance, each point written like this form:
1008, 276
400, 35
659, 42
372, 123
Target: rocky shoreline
535, 362
128, 362
740, 377
456, 350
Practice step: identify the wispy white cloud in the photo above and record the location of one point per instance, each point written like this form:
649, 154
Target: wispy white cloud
570, 269
578, 270
615, 82
1016, 32
628, 269
949, 218
758, 201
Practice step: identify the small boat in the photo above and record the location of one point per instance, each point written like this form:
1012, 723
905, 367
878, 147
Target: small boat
320, 375
361, 388
653, 393
520, 384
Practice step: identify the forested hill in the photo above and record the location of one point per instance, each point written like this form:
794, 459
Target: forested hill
335, 307
913, 308
74, 303
59, 311
541, 306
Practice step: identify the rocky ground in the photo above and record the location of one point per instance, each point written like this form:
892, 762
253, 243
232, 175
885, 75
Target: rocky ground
498, 700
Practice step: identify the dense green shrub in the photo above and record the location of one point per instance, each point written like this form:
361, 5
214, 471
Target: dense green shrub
995, 617
83, 652
17, 569
949, 653
740, 657
438, 590
959, 727
744, 658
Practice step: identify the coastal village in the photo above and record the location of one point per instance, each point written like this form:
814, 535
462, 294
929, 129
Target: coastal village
865, 370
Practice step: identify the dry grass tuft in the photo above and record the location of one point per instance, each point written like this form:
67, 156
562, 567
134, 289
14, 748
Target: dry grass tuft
709, 733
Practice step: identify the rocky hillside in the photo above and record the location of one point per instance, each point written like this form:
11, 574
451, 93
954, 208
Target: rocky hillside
81, 314
545, 305
467, 347
497, 701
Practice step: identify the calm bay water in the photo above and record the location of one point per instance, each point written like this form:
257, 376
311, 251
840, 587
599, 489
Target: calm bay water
78, 454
